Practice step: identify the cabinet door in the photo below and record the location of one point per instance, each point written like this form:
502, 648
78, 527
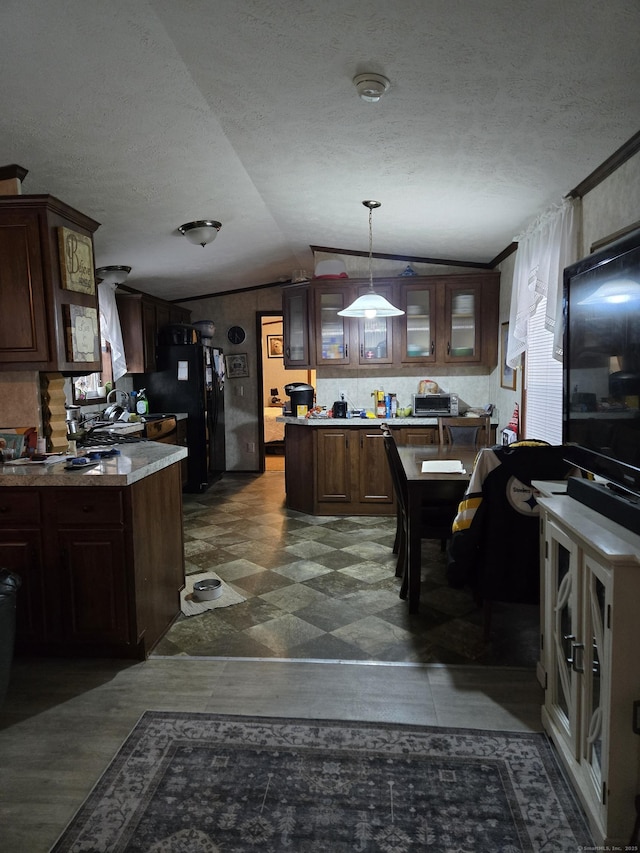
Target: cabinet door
417, 437
23, 326
374, 481
462, 323
595, 669
562, 634
21, 553
418, 337
333, 465
375, 335
93, 588
295, 309
332, 331
149, 334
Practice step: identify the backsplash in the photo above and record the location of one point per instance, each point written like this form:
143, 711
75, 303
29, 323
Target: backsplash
472, 390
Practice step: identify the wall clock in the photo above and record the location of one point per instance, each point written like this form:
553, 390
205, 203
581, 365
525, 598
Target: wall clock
236, 334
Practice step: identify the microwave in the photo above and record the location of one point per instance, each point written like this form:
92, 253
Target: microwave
435, 405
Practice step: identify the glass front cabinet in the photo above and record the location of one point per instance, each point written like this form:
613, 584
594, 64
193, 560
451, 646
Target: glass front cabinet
295, 310
589, 660
450, 319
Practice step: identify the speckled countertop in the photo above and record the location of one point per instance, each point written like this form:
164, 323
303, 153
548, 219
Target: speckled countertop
135, 462
359, 422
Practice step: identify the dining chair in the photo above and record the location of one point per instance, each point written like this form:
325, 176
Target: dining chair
436, 517
495, 547
474, 432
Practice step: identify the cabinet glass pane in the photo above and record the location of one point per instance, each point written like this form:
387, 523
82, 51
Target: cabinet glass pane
297, 317
594, 736
418, 319
563, 633
332, 327
462, 334
373, 336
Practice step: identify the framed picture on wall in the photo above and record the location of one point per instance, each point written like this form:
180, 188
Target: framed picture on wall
275, 346
237, 365
507, 374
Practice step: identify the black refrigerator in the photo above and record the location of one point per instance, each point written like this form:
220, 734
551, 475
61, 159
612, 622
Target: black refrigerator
190, 378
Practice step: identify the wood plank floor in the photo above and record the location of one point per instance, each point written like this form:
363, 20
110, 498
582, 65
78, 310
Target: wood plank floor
63, 721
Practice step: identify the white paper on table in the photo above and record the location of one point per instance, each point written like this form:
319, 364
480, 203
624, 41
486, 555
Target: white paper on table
443, 466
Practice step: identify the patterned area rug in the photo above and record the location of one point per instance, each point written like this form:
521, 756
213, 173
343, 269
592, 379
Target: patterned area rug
206, 783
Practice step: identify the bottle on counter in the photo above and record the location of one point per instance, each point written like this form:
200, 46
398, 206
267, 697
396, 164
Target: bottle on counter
142, 404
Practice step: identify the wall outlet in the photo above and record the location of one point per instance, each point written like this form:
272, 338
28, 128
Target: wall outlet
251, 446
342, 395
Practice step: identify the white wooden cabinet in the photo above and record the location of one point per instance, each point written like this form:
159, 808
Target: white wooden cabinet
590, 577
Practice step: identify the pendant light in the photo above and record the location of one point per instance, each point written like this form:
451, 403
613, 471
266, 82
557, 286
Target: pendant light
372, 304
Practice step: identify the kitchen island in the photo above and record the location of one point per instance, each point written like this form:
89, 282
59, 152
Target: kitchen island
99, 550
337, 466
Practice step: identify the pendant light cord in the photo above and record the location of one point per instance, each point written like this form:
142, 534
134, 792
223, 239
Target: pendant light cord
370, 248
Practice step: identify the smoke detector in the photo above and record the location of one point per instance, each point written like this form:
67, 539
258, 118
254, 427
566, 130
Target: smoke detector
371, 87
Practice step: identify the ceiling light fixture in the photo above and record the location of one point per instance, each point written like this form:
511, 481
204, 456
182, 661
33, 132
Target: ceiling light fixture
372, 304
371, 87
201, 232
113, 274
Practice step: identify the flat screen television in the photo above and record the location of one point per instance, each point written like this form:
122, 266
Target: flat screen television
601, 370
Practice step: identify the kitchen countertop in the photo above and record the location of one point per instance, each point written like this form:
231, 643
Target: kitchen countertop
135, 462
357, 421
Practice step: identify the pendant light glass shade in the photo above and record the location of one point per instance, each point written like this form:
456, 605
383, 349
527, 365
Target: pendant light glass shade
371, 304
201, 232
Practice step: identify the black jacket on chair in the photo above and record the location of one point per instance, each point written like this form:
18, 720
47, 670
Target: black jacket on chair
495, 547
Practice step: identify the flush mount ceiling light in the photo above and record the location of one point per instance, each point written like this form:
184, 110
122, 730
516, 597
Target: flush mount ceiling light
371, 87
201, 232
113, 274
372, 304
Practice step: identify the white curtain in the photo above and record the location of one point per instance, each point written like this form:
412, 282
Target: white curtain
544, 250
110, 327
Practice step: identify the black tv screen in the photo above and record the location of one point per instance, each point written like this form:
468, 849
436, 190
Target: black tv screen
601, 393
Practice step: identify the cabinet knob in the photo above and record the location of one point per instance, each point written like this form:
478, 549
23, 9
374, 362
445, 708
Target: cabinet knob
448, 347
87, 508
433, 347
4, 509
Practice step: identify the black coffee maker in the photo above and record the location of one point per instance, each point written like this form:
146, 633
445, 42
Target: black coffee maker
301, 394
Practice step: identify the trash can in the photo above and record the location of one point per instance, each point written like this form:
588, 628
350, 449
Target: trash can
9, 585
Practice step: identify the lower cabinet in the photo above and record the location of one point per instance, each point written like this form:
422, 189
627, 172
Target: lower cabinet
337, 471
101, 567
352, 470
589, 660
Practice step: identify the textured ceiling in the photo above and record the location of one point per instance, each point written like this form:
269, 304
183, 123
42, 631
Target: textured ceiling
145, 114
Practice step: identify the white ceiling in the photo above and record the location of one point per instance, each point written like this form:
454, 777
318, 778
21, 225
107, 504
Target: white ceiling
145, 114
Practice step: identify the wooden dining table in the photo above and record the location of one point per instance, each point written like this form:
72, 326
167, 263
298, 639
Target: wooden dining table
425, 487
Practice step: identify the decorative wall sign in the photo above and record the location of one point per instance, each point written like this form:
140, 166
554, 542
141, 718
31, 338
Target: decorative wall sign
237, 365
76, 261
83, 339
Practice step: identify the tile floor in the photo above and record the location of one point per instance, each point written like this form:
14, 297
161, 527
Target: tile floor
63, 720
325, 588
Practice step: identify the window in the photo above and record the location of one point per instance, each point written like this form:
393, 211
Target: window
93, 388
542, 382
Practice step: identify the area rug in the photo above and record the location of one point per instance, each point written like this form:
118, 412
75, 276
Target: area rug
207, 783
190, 606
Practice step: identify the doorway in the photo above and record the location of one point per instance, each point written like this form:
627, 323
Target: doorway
272, 378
